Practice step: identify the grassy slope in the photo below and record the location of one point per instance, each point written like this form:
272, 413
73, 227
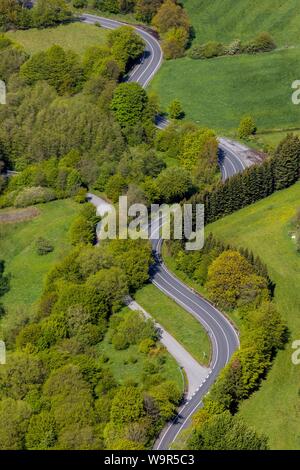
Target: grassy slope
224, 20
75, 36
17, 248
218, 92
176, 321
264, 228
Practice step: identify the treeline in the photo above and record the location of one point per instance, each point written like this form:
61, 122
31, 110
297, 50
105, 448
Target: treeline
238, 283
60, 388
167, 16
18, 14
263, 42
257, 182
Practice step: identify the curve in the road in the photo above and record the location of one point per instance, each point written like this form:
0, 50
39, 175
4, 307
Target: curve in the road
222, 333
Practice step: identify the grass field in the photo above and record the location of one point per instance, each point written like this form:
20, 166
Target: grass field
17, 248
183, 326
218, 92
225, 20
128, 365
75, 36
264, 228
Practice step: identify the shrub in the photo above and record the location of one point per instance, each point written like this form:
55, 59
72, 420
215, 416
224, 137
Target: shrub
175, 110
174, 43
206, 51
34, 195
80, 3
263, 42
43, 246
234, 48
246, 128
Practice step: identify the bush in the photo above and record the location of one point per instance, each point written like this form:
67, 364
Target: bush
263, 42
43, 246
234, 48
206, 51
246, 128
80, 3
34, 195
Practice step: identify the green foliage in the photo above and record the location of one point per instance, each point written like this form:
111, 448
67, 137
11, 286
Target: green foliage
286, 162
174, 42
206, 51
83, 228
127, 406
170, 15
232, 281
174, 184
14, 416
126, 45
43, 246
80, 3
246, 128
133, 329
263, 42
4, 279
175, 110
34, 195
224, 432
50, 12
255, 183
59, 68
42, 432
146, 9
115, 187
129, 103
22, 374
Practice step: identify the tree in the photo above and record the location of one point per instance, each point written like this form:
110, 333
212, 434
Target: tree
81, 231
115, 187
225, 432
126, 45
80, 3
70, 397
286, 162
174, 42
199, 152
170, 15
14, 418
51, 12
127, 406
42, 431
246, 128
146, 9
232, 281
129, 103
60, 68
174, 184
175, 110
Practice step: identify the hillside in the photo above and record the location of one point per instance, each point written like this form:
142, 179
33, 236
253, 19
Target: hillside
218, 92
224, 20
275, 408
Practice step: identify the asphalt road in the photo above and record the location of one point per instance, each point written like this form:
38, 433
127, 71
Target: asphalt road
223, 335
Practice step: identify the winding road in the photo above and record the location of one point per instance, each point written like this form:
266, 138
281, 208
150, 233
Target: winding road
222, 333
